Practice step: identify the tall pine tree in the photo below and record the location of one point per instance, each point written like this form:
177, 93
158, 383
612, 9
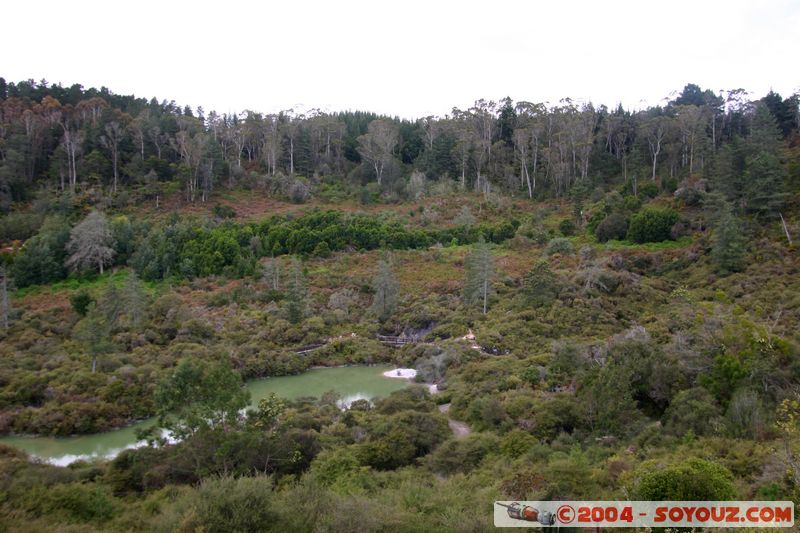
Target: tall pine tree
540, 285
766, 185
385, 285
296, 293
5, 303
728, 253
479, 266
94, 332
135, 299
765, 176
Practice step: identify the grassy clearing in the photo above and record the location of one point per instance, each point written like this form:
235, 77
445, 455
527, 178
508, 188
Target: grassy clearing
91, 283
682, 242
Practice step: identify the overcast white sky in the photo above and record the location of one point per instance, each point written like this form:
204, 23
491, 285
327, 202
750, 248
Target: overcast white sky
410, 58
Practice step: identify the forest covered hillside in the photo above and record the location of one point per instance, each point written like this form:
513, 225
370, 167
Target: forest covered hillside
607, 301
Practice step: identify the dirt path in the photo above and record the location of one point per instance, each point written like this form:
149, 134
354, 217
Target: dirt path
460, 429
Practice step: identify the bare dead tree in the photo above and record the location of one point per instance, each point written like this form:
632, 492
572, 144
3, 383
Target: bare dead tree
376, 146
114, 134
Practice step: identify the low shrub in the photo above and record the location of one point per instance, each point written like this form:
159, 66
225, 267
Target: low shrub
613, 227
462, 455
224, 211
648, 190
80, 502
19, 226
80, 302
322, 250
567, 227
231, 504
693, 479
560, 245
631, 203
652, 225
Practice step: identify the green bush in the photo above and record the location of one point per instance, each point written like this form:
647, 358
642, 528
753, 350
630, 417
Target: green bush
631, 203
188, 248
80, 302
669, 184
335, 467
560, 245
123, 234
322, 249
744, 416
136, 470
388, 452
691, 480
399, 439
487, 413
652, 225
532, 375
42, 258
462, 455
648, 190
19, 226
559, 414
366, 196
224, 211
567, 227
298, 192
613, 201
80, 502
725, 375
690, 195
597, 216
693, 410
613, 227
230, 504
536, 233
540, 285
517, 443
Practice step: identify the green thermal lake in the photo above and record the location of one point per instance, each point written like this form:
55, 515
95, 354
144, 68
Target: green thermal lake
351, 383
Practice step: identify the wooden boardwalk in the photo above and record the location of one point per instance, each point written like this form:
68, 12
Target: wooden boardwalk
309, 347
396, 341
388, 340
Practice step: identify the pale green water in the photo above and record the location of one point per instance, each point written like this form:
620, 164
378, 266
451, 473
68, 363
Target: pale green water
350, 382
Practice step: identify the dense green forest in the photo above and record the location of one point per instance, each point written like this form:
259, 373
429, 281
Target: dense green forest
68, 139
606, 299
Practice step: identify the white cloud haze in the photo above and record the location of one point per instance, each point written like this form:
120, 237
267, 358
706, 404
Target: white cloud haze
410, 59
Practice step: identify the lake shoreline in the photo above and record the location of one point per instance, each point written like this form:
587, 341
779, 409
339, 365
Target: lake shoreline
135, 421
351, 382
